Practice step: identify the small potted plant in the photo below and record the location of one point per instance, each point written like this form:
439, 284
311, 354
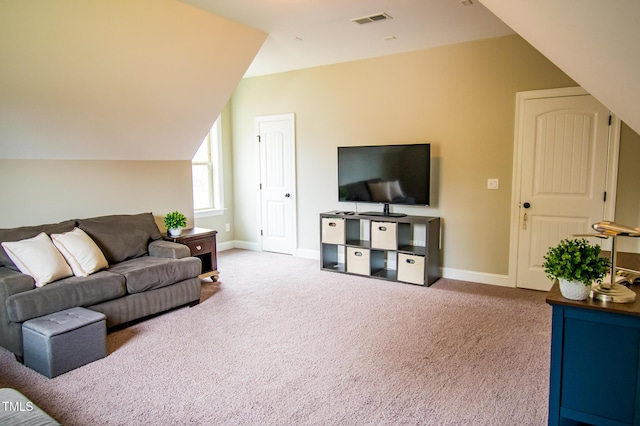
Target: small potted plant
576, 264
174, 222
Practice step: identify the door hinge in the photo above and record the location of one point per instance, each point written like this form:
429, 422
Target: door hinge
609, 119
258, 138
261, 234
260, 186
605, 196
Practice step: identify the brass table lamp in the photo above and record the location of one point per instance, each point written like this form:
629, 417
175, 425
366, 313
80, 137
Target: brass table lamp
612, 291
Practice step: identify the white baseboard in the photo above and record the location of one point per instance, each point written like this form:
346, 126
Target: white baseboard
476, 277
246, 245
308, 254
227, 245
454, 274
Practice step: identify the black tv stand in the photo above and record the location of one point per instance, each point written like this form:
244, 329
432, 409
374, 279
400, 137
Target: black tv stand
404, 249
386, 211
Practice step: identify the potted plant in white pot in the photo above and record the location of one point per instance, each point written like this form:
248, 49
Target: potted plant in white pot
576, 264
174, 223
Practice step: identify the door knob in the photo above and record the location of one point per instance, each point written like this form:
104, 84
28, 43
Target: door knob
287, 195
526, 205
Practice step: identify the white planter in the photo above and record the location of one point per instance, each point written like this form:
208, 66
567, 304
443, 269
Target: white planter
574, 290
175, 232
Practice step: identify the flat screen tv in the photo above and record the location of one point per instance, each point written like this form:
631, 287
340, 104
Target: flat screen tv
385, 174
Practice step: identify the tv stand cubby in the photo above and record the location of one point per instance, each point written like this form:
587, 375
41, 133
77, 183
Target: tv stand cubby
404, 249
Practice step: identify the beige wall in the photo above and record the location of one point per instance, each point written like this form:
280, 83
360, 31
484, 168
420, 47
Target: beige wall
460, 98
46, 191
86, 87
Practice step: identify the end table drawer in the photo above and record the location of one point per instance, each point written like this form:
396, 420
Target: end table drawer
200, 246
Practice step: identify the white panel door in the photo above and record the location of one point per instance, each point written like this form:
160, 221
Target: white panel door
277, 183
563, 181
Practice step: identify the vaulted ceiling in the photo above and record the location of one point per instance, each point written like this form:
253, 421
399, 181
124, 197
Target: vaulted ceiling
308, 33
144, 79
595, 42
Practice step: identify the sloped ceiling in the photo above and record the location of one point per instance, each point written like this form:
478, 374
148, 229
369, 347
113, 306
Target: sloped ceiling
311, 33
115, 79
595, 42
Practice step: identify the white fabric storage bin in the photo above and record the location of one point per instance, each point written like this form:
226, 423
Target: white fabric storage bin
383, 235
333, 230
358, 261
411, 268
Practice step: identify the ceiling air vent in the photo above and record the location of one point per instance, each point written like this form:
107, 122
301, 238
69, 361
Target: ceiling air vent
371, 18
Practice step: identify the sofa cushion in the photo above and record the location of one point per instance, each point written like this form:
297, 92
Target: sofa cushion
17, 234
39, 258
146, 273
67, 293
121, 237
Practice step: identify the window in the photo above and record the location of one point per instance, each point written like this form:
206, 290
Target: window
206, 169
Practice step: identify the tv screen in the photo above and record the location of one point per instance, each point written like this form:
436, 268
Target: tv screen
388, 174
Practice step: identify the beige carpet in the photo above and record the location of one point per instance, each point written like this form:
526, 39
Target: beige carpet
279, 342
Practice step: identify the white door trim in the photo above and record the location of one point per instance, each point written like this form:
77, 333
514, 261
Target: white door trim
612, 166
290, 117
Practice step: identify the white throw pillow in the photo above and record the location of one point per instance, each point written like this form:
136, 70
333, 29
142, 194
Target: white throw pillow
380, 191
39, 258
80, 251
395, 191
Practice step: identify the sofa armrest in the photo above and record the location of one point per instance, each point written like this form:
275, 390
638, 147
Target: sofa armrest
13, 282
168, 249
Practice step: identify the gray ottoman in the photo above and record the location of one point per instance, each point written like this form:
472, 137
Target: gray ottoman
59, 342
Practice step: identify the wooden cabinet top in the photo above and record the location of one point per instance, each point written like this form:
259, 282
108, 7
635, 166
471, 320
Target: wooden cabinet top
191, 233
555, 298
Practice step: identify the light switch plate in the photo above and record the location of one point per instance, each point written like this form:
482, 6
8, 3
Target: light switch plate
493, 184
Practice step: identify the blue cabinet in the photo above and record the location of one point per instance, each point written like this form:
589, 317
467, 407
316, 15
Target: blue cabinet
595, 362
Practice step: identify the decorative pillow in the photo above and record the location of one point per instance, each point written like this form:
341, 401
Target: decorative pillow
24, 232
395, 191
80, 252
380, 191
39, 258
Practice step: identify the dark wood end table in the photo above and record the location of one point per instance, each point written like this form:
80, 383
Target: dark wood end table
202, 244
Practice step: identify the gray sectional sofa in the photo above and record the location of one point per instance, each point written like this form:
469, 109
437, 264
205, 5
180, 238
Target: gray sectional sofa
146, 275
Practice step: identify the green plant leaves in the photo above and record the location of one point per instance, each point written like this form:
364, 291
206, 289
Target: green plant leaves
175, 220
576, 260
